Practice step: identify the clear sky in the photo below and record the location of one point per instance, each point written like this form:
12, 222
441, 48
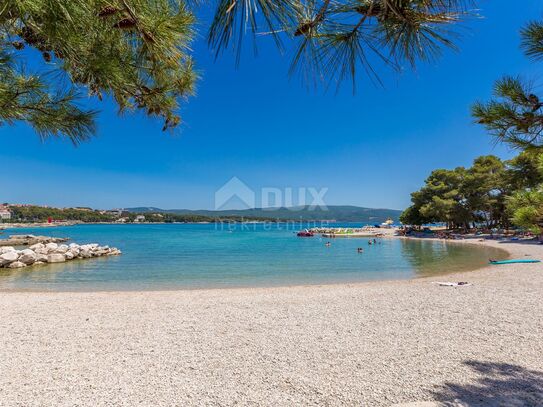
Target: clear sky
254, 122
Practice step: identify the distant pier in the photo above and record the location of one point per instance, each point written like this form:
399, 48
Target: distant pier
366, 231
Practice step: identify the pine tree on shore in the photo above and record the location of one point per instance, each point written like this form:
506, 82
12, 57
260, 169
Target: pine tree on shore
515, 116
135, 51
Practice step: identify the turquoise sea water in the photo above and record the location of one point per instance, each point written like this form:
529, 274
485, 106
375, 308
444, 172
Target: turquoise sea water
174, 256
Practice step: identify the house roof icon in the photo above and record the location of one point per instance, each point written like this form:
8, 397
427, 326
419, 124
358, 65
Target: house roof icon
234, 189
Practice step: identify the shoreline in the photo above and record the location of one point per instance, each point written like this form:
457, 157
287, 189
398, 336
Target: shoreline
374, 343
471, 241
9, 226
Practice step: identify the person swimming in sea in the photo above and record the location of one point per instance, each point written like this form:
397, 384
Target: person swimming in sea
360, 250
328, 244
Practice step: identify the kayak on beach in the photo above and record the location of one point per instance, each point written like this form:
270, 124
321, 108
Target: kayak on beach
514, 261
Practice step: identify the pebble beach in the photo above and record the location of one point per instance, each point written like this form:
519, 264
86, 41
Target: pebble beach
382, 343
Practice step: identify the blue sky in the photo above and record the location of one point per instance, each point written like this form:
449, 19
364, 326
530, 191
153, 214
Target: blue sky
254, 122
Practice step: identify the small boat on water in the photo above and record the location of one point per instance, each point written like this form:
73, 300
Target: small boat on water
512, 261
305, 233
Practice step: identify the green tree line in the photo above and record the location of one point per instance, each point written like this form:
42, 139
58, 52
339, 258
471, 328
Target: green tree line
476, 196
25, 214
28, 214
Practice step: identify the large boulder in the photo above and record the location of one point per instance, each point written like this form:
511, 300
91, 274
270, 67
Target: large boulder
51, 247
28, 257
101, 251
85, 254
69, 255
41, 250
41, 258
89, 247
56, 258
62, 249
37, 246
17, 265
6, 249
8, 257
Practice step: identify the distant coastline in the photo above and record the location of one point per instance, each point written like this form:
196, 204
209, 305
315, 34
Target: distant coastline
6, 226
30, 225
35, 214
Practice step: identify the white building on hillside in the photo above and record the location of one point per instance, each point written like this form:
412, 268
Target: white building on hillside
5, 213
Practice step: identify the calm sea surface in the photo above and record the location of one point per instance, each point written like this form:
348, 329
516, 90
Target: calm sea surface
206, 255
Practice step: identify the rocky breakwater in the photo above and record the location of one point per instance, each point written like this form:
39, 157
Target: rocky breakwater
42, 253
27, 240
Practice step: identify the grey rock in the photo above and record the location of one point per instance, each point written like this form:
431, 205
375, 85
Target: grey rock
42, 250
17, 265
37, 246
85, 254
8, 257
6, 249
51, 247
62, 248
56, 258
28, 257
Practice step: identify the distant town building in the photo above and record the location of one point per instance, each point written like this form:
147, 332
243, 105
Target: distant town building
114, 212
139, 218
5, 213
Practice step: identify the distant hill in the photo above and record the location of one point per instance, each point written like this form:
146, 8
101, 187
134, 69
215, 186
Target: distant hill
337, 213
